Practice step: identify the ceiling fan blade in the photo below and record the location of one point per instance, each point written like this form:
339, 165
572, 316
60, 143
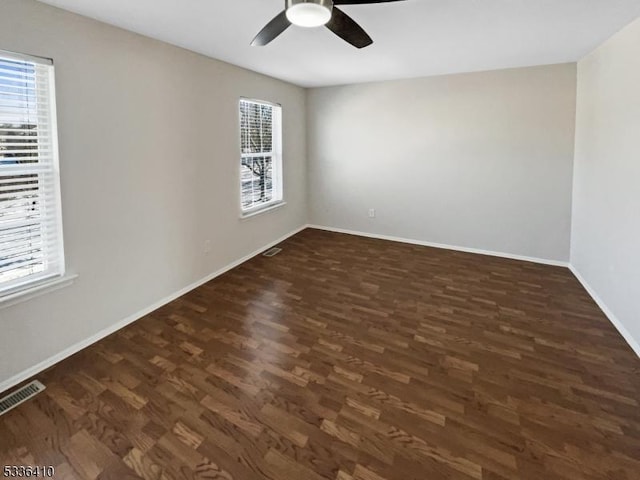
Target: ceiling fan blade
362, 2
271, 30
347, 29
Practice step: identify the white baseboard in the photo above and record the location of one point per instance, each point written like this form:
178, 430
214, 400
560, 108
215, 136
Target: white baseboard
607, 311
557, 263
34, 370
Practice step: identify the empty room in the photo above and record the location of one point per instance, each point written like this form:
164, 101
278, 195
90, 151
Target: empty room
320, 239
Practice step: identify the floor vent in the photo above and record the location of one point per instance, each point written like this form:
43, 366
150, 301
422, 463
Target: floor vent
22, 395
271, 252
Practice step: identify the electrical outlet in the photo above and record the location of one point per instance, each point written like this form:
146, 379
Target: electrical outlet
207, 247
372, 213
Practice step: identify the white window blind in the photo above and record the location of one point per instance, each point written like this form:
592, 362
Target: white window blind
30, 220
261, 163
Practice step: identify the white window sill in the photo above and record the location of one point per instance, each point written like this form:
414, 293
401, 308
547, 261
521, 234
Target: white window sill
36, 290
267, 208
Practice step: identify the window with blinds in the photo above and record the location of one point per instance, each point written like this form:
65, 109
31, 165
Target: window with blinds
30, 220
261, 162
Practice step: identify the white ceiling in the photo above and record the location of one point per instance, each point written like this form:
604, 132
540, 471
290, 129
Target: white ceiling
412, 38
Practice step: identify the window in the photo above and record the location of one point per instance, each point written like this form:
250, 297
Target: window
30, 220
261, 158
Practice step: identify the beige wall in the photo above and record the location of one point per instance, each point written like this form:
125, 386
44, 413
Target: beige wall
150, 170
479, 160
605, 246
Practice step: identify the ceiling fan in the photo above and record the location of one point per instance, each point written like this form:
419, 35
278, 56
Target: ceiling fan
315, 13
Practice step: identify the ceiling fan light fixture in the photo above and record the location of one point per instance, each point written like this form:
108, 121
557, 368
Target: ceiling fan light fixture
309, 13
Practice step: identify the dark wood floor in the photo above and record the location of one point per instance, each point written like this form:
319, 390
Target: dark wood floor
346, 358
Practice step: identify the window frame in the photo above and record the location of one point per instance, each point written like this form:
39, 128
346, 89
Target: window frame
277, 177
57, 277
